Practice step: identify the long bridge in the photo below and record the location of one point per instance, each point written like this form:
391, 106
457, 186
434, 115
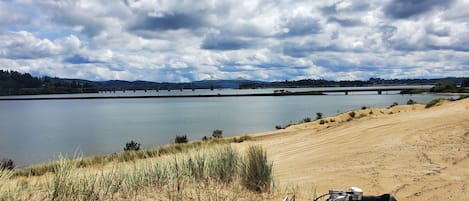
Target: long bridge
283, 92
379, 90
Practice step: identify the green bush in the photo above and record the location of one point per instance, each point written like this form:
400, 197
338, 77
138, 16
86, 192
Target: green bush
322, 121
444, 86
132, 146
393, 105
307, 119
433, 102
6, 164
463, 96
62, 181
223, 165
256, 170
180, 139
351, 114
318, 115
217, 133
411, 102
364, 108
241, 139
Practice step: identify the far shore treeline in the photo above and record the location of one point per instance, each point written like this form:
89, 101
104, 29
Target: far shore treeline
16, 83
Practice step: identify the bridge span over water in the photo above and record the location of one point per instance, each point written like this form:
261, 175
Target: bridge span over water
379, 90
221, 93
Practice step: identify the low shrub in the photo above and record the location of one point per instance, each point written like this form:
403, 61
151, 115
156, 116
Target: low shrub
278, 127
241, 139
463, 96
132, 146
62, 181
411, 102
351, 114
444, 86
332, 120
362, 115
364, 108
222, 165
256, 170
307, 119
393, 105
322, 121
318, 115
217, 133
180, 139
433, 102
6, 164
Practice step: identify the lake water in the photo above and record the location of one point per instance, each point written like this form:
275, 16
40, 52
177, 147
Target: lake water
38, 131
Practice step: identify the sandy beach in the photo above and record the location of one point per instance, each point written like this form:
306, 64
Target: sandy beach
412, 152
409, 151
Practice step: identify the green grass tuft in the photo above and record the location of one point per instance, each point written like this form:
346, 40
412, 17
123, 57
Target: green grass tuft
433, 102
256, 170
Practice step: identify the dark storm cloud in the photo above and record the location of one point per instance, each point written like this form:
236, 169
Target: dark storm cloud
441, 32
226, 42
306, 49
461, 46
387, 32
300, 26
169, 21
12, 15
79, 59
89, 25
400, 9
345, 22
312, 47
356, 6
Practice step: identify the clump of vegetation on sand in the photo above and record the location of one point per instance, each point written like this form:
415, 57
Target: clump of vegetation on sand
206, 173
129, 155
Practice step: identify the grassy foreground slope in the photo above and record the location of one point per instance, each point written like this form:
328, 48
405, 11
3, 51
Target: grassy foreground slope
414, 152
209, 173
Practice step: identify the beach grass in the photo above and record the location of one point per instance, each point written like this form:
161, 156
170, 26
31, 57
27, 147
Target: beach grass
217, 172
124, 156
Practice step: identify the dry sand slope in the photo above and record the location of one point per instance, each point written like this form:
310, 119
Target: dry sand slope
414, 153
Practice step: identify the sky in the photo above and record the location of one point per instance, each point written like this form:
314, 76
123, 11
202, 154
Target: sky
268, 40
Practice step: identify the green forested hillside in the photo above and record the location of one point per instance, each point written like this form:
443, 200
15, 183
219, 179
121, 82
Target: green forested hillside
15, 83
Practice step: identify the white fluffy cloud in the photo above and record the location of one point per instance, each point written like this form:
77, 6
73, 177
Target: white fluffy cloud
264, 40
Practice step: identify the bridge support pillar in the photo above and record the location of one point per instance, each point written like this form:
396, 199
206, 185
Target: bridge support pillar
346, 92
380, 92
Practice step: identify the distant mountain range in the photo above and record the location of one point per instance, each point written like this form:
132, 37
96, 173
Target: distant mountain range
15, 83
141, 85
250, 84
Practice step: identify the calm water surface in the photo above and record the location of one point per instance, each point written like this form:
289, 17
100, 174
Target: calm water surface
38, 131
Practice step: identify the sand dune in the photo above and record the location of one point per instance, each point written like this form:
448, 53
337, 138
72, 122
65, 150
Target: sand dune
412, 152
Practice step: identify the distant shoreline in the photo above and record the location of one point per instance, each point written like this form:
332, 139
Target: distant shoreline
166, 96
281, 92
